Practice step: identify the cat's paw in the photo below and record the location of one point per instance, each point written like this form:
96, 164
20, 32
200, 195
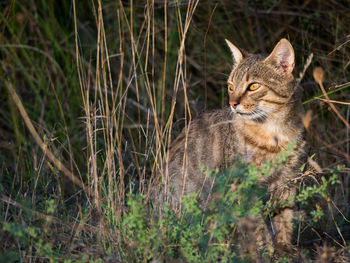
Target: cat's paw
285, 249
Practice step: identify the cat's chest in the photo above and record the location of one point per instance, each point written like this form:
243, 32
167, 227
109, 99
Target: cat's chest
252, 154
260, 143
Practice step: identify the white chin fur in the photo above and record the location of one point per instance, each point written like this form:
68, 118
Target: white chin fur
257, 114
248, 117
260, 115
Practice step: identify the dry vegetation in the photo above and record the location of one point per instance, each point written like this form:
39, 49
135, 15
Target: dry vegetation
93, 92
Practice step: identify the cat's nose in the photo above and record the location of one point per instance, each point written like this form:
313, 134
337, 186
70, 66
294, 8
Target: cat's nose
234, 103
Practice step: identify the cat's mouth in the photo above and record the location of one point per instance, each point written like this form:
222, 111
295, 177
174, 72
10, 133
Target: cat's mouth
257, 114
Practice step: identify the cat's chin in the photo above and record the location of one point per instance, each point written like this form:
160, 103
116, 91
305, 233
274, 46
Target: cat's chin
257, 115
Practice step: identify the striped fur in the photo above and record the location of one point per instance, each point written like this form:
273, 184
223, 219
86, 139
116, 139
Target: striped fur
260, 126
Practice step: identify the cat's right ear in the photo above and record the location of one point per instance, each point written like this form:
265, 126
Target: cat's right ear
236, 53
283, 56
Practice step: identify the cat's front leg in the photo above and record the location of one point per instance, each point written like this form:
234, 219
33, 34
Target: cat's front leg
256, 238
284, 229
283, 221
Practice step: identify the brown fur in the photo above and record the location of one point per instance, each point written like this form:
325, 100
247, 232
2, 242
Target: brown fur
264, 122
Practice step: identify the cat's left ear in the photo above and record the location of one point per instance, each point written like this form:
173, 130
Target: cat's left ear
283, 56
236, 53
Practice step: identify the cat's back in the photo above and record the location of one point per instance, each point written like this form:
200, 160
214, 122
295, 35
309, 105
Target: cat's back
202, 137
201, 144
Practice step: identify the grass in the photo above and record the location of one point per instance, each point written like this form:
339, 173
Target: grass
93, 93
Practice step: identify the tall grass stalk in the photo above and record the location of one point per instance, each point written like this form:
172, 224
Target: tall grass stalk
94, 92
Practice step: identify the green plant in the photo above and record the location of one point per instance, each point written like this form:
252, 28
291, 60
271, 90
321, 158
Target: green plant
108, 84
199, 235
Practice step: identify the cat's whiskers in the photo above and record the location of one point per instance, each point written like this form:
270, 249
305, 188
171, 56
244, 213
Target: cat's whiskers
259, 114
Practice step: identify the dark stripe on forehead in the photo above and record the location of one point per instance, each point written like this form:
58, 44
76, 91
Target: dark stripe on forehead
244, 67
247, 77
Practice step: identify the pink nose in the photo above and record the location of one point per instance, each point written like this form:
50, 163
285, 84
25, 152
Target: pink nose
234, 104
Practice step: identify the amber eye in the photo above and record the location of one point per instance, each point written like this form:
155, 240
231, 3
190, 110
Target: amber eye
254, 86
231, 88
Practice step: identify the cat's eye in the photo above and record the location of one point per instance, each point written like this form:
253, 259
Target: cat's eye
254, 86
231, 88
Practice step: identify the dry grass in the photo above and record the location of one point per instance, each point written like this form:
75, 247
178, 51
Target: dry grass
93, 94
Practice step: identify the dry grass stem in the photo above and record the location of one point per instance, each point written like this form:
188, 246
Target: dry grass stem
318, 76
42, 145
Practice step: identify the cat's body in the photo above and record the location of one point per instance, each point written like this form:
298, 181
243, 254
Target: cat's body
264, 117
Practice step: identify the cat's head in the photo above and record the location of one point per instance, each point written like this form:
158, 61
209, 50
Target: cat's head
260, 85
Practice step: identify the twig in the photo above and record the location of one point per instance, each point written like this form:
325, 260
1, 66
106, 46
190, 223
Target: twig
42, 145
306, 66
328, 145
318, 76
333, 101
336, 89
10, 201
306, 119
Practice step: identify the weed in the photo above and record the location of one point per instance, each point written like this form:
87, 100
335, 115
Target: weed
93, 93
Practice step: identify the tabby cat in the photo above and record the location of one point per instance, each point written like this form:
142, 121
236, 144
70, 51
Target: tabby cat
263, 118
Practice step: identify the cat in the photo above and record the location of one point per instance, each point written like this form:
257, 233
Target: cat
263, 117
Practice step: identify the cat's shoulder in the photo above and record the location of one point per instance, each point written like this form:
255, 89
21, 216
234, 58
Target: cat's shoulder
215, 116
207, 122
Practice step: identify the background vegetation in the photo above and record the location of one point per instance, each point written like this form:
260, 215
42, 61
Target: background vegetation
93, 92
